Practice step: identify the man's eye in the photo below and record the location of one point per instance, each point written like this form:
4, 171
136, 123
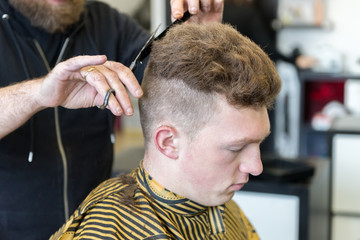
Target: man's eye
235, 150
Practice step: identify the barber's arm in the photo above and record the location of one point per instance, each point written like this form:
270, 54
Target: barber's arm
203, 11
79, 82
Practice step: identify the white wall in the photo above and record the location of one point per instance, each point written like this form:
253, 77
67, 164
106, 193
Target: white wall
157, 8
124, 5
342, 37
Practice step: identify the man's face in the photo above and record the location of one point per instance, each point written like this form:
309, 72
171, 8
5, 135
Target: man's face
51, 15
223, 154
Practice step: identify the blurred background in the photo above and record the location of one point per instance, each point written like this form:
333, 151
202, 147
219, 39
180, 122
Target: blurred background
315, 122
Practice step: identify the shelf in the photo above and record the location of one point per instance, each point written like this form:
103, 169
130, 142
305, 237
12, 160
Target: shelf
307, 75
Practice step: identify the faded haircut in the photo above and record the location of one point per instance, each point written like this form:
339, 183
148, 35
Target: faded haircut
194, 65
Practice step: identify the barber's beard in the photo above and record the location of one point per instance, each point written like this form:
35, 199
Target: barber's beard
50, 16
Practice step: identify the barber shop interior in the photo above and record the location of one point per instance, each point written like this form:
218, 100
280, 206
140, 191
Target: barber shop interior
309, 186
311, 160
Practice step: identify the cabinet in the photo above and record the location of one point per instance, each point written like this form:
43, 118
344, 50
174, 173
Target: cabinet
341, 146
273, 215
288, 210
345, 207
345, 228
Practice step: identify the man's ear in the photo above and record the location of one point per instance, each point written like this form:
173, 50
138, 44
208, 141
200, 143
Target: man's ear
165, 139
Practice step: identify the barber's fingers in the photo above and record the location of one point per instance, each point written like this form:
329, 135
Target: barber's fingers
103, 75
195, 7
126, 77
76, 63
58, 86
113, 75
192, 6
118, 77
218, 5
97, 77
206, 5
178, 7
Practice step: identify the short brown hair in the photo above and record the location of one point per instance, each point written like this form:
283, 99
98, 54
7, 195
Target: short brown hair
193, 65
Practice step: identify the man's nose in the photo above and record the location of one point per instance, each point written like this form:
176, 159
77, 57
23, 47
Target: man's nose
252, 164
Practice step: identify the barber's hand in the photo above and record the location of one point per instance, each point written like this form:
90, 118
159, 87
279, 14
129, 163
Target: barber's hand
83, 82
203, 11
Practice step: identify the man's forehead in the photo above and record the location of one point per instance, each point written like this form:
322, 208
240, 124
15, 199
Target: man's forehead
244, 124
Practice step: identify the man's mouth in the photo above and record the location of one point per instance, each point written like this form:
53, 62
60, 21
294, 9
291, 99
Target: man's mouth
237, 186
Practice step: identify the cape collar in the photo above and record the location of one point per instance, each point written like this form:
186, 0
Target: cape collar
179, 204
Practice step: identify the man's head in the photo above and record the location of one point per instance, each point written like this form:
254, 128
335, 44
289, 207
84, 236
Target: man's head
50, 15
204, 110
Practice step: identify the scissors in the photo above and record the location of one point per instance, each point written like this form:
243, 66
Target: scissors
145, 51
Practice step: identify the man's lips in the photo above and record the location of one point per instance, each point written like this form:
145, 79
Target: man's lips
237, 186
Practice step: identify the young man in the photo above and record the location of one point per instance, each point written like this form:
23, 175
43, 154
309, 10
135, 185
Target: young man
52, 154
204, 114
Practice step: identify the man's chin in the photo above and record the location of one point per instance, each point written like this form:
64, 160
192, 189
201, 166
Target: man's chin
217, 201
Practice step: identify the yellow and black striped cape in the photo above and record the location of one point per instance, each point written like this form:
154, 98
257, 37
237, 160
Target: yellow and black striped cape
135, 206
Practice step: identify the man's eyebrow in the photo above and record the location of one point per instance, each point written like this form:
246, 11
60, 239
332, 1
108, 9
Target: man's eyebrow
249, 140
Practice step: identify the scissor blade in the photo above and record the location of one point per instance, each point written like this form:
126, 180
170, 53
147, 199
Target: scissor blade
147, 43
146, 49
